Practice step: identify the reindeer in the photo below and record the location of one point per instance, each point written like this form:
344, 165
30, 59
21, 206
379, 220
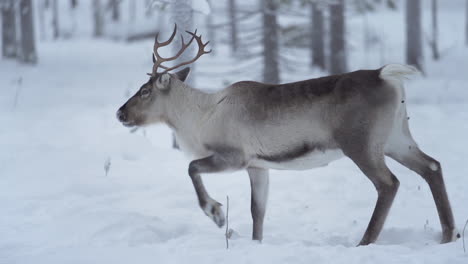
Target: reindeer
293, 126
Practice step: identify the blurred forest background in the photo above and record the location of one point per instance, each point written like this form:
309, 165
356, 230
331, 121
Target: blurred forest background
261, 32
78, 187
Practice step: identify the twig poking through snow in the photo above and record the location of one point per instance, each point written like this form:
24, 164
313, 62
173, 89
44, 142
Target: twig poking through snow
107, 165
466, 224
227, 222
19, 82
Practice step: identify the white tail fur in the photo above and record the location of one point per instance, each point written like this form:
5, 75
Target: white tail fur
397, 72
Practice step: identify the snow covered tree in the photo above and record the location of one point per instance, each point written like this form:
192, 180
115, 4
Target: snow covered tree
271, 72
363, 6
338, 60
8, 29
317, 36
414, 54
149, 8
182, 15
27, 52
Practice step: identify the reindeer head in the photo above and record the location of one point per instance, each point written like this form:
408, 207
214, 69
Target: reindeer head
147, 106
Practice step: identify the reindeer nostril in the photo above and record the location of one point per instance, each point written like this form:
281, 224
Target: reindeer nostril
121, 116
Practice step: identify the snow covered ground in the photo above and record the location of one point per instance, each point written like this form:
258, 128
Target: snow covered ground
58, 205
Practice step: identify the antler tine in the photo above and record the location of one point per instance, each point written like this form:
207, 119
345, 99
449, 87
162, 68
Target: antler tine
206, 45
201, 50
167, 42
158, 44
181, 50
199, 41
158, 60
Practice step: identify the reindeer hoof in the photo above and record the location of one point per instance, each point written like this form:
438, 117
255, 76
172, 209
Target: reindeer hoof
213, 210
449, 236
363, 243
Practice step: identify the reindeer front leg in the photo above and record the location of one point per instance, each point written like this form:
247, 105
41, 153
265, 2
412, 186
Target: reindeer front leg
259, 195
227, 159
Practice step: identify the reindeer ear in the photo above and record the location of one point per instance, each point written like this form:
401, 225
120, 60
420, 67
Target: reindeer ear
163, 82
182, 74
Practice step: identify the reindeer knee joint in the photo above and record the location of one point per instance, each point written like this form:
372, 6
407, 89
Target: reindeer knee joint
434, 166
193, 169
389, 186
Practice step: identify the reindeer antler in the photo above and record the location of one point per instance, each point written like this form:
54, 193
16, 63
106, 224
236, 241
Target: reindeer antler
158, 60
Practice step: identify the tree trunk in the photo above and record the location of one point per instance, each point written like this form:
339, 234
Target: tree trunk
414, 54
317, 37
466, 23
182, 15
55, 19
9, 29
233, 26
132, 11
42, 27
270, 42
435, 32
338, 62
115, 8
73, 14
211, 30
161, 20
28, 47
98, 19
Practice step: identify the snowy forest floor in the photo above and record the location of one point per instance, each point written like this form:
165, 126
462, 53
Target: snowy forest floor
58, 205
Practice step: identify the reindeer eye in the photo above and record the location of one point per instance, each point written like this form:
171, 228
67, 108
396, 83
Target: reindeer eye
145, 93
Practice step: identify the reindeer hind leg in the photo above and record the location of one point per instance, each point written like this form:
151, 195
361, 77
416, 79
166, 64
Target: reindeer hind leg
386, 184
430, 170
402, 148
